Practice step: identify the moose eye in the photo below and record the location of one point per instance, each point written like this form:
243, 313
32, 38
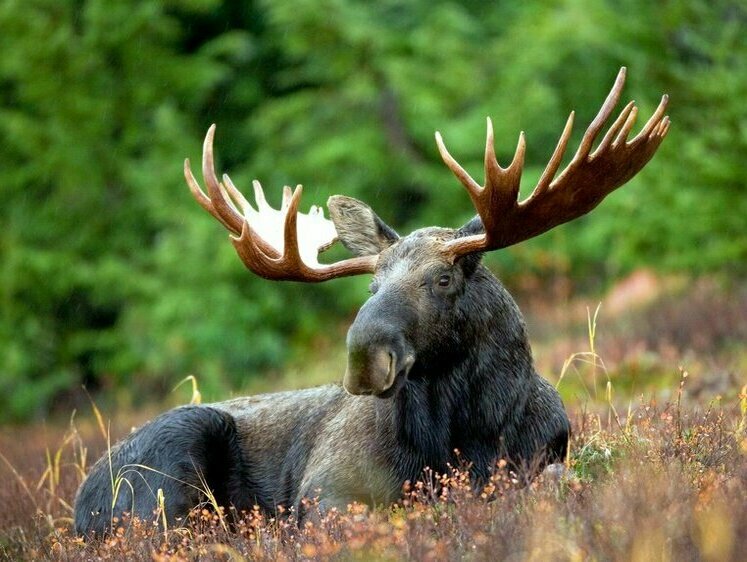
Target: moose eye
444, 280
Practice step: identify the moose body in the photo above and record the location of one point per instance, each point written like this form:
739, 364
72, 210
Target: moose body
439, 367
474, 389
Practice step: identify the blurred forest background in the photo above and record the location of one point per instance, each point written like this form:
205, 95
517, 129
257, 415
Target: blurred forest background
112, 277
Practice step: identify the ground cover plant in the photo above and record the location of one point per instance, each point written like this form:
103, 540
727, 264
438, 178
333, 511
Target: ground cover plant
654, 473
664, 482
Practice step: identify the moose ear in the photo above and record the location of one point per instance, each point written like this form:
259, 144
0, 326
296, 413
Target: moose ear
473, 226
360, 230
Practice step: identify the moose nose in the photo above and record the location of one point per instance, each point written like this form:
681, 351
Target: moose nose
378, 349
370, 371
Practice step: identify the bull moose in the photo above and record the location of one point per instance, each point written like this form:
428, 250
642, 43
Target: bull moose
438, 358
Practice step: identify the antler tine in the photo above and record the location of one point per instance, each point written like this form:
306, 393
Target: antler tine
199, 195
623, 122
236, 195
287, 196
516, 167
557, 157
622, 136
220, 204
655, 119
259, 196
228, 198
290, 231
664, 127
203, 199
598, 123
473, 188
492, 168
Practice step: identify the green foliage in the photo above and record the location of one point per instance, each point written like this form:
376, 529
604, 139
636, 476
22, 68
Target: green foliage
110, 275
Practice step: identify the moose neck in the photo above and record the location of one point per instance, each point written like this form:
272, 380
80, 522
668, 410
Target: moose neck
469, 396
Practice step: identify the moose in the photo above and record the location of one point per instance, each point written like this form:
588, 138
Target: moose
438, 359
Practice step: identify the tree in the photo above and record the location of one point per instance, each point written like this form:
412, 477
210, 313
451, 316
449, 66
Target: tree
109, 273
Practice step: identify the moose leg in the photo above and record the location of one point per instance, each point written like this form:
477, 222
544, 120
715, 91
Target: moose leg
180, 453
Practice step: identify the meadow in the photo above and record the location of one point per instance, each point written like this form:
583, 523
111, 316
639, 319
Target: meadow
657, 468
120, 298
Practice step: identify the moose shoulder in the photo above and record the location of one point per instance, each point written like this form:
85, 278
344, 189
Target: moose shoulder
438, 356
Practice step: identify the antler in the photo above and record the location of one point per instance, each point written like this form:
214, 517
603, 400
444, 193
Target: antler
275, 244
580, 187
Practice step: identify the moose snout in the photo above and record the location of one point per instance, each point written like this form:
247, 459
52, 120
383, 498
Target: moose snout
369, 372
374, 369
379, 352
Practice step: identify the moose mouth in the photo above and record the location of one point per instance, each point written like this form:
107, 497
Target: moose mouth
400, 378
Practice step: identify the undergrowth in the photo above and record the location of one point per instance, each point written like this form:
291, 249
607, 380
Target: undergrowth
666, 483
646, 480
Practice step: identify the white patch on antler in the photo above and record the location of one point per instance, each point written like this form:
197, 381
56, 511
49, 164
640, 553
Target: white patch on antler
315, 232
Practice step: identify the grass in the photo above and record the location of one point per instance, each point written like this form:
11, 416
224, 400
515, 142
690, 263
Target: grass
668, 484
659, 474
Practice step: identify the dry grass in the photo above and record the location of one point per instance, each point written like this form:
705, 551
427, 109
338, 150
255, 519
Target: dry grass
660, 478
643, 335
665, 483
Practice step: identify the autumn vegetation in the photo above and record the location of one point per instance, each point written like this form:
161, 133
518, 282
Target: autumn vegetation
657, 471
119, 300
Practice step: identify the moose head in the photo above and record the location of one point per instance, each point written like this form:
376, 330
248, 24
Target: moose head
421, 288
